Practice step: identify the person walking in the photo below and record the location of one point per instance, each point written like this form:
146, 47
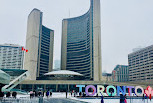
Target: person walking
143, 97
150, 97
47, 94
79, 94
43, 93
125, 101
122, 98
51, 94
39, 93
66, 94
8, 94
31, 94
14, 94
1, 94
102, 98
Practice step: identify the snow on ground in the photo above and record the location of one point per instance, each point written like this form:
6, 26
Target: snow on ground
92, 100
113, 100
97, 100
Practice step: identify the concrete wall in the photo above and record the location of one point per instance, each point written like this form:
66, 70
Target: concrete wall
64, 45
97, 40
32, 41
51, 51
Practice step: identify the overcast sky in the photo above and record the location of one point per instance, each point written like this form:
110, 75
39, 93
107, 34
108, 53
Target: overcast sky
125, 24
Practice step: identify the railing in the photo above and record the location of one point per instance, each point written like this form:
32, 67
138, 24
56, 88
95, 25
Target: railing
15, 82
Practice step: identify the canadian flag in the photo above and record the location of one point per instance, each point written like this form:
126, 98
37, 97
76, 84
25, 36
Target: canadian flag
23, 49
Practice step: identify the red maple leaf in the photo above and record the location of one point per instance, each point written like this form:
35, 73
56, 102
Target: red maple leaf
148, 91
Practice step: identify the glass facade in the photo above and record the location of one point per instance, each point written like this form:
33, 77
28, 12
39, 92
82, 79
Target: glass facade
39, 42
80, 44
44, 51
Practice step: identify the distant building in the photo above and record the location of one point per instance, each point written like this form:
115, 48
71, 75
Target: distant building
56, 64
120, 73
141, 64
107, 77
39, 42
136, 49
81, 43
11, 56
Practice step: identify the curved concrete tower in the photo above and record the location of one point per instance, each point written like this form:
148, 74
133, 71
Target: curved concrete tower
81, 43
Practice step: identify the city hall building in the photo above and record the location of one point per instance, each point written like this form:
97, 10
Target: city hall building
81, 43
39, 42
80, 52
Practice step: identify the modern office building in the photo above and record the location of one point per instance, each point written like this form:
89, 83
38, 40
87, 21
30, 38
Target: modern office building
39, 42
120, 73
141, 64
81, 43
11, 56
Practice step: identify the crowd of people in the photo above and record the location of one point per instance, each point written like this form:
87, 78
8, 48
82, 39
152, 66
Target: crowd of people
8, 94
72, 93
40, 93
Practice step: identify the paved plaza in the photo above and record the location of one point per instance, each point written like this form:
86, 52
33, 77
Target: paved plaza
62, 100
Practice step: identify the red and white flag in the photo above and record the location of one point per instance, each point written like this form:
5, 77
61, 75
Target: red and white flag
23, 49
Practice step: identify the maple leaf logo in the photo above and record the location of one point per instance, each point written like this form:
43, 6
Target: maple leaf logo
149, 91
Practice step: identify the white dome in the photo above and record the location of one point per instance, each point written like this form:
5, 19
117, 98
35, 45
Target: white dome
63, 72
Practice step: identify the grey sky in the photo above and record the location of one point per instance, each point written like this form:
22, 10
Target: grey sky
126, 24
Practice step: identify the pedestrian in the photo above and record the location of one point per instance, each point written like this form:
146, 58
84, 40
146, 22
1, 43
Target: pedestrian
150, 97
31, 94
43, 93
47, 94
80, 94
102, 98
35, 93
83, 94
71, 94
97, 95
39, 93
51, 94
66, 94
125, 101
143, 97
121, 98
14, 94
8, 94
1, 94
